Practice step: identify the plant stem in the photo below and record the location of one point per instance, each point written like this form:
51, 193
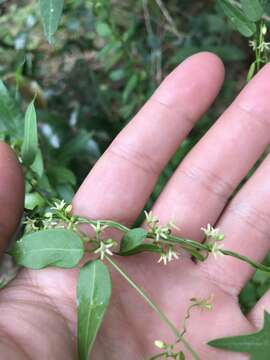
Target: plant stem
109, 223
158, 356
247, 260
187, 244
162, 316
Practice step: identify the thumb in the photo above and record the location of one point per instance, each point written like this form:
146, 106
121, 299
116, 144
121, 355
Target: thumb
11, 194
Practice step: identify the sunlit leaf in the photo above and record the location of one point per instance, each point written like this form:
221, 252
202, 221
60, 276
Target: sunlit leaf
51, 11
30, 141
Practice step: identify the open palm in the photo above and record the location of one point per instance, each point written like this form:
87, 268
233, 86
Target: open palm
38, 309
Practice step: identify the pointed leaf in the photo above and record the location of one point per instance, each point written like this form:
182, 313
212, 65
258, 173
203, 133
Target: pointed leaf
56, 247
30, 141
130, 86
256, 344
251, 71
238, 18
93, 296
38, 164
142, 248
10, 119
132, 239
253, 9
51, 11
182, 356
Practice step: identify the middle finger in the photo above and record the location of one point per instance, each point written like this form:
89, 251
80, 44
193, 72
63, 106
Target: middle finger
198, 191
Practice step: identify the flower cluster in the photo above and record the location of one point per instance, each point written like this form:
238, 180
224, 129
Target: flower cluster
31, 225
260, 45
105, 248
168, 256
213, 238
98, 229
58, 216
160, 232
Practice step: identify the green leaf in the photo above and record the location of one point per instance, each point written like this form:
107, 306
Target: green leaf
253, 9
10, 119
30, 141
132, 239
130, 86
182, 356
251, 71
238, 18
38, 164
256, 344
93, 296
142, 248
61, 175
33, 200
56, 247
51, 11
103, 29
118, 74
77, 146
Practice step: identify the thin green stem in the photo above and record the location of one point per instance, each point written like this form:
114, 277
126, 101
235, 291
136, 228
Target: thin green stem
158, 356
247, 260
109, 223
190, 245
162, 316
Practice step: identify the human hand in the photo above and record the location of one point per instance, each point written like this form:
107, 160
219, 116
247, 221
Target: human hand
38, 309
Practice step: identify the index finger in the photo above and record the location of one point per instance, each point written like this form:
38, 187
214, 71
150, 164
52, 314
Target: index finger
123, 179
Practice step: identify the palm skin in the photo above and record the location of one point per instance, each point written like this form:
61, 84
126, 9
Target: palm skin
38, 308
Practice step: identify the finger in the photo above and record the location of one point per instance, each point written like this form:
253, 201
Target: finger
201, 186
246, 225
124, 177
256, 315
11, 194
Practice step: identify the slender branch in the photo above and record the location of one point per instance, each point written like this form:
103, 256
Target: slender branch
168, 18
187, 244
162, 316
247, 260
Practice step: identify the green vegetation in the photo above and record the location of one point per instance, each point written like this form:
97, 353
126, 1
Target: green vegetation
84, 83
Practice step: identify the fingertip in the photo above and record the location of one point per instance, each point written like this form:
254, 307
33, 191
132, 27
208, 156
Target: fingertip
208, 64
201, 74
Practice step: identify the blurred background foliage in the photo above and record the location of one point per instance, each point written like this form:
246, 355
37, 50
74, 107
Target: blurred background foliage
107, 58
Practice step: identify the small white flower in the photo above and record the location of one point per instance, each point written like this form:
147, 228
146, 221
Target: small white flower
172, 225
162, 232
213, 233
160, 344
216, 249
68, 209
168, 256
59, 205
98, 228
104, 249
253, 44
264, 29
150, 218
264, 46
31, 224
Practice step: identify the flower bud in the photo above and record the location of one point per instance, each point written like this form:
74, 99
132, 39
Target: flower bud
160, 344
